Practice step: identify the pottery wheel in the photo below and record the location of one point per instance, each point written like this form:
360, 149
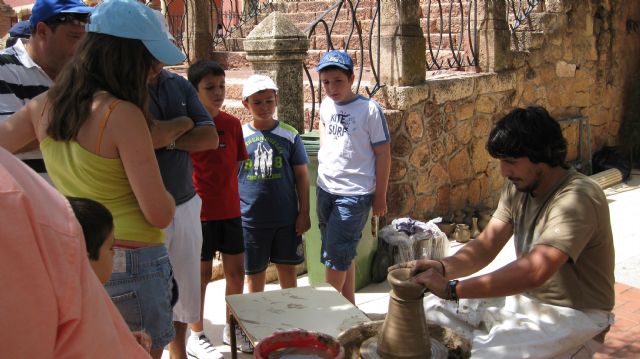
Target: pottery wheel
369, 349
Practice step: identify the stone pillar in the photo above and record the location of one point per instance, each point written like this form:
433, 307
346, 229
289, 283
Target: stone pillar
402, 44
199, 35
493, 36
277, 48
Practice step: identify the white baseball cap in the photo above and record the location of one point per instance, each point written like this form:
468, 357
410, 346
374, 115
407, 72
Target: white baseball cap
257, 83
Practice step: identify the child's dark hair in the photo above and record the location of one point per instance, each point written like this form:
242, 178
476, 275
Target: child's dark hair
202, 68
96, 222
530, 133
349, 73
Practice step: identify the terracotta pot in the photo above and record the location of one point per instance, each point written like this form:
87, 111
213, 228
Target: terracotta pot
447, 228
404, 333
462, 233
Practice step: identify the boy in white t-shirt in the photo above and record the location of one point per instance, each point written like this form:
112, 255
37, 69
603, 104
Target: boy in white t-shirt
353, 171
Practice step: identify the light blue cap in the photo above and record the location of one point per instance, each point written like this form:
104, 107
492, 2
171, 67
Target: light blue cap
131, 19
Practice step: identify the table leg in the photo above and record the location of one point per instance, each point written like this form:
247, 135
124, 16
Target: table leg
232, 329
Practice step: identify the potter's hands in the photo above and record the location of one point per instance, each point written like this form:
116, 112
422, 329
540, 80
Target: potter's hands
433, 280
419, 266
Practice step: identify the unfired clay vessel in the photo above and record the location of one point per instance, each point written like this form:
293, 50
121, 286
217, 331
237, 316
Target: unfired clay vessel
404, 333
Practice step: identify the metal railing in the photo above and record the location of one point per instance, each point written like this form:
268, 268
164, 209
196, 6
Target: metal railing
450, 36
520, 10
450, 28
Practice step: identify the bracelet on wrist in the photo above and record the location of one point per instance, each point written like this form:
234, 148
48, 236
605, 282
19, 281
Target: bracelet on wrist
444, 272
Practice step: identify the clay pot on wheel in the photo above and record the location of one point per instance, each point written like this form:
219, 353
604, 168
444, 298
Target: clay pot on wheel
404, 333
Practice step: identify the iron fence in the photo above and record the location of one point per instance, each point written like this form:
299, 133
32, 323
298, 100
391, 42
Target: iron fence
520, 10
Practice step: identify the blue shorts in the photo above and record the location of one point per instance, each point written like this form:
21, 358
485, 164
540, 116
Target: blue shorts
279, 245
141, 287
341, 220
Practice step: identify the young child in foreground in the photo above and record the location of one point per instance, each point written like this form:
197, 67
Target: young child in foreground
274, 189
353, 169
97, 227
215, 177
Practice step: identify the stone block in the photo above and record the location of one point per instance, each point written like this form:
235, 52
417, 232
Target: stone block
463, 132
400, 199
460, 168
434, 128
564, 69
442, 200
458, 196
481, 125
398, 170
425, 206
465, 111
400, 146
437, 150
496, 82
420, 156
404, 97
480, 157
485, 104
428, 184
395, 119
454, 88
414, 125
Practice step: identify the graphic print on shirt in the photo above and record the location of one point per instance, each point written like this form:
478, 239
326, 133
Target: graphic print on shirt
340, 124
264, 159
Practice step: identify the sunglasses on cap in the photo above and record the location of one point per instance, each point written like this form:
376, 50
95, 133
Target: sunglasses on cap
69, 18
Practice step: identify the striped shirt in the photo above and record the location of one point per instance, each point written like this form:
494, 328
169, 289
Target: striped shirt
21, 79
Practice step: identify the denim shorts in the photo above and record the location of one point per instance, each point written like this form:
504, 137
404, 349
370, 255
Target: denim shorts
141, 287
281, 245
341, 220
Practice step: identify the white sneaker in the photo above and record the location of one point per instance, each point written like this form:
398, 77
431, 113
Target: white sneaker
242, 342
201, 348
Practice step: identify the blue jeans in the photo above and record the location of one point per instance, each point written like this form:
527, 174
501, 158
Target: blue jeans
140, 286
341, 221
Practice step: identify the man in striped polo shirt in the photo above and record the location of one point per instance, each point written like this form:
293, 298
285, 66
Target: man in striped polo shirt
27, 69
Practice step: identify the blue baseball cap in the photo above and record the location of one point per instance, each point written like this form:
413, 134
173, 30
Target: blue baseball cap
131, 19
43, 10
21, 29
335, 58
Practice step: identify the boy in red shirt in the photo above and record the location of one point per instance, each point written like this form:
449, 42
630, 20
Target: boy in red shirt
215, 179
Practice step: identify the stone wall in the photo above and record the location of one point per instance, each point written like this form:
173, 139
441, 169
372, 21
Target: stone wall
578, 64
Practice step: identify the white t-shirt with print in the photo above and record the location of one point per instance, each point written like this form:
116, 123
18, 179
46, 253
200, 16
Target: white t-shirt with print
347, 164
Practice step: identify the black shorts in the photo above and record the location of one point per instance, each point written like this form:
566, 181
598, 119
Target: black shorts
223, 236
276, 245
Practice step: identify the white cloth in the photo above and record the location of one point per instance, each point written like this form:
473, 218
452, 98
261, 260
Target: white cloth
183, 239
346, 161
519, 327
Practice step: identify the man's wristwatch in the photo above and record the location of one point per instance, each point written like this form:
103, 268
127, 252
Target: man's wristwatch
451, 290
171, 146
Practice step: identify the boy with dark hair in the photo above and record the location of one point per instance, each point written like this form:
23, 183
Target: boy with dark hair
97, 226
215, 177
353, 169
274, 189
